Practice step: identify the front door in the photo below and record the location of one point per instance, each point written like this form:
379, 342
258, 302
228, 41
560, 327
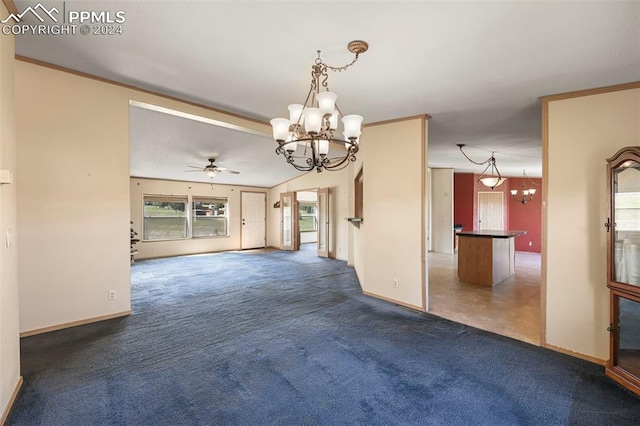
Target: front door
253, 220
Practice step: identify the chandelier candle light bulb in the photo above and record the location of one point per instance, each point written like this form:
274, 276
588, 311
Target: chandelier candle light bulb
314, 123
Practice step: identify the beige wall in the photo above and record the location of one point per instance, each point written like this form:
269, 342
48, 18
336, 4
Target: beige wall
73, 186
336, 181
9, 315
149, 249
390, 243
442, 210
582, 133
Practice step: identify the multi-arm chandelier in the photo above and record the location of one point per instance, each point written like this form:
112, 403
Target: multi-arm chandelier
304, 139
494, 178
525, 194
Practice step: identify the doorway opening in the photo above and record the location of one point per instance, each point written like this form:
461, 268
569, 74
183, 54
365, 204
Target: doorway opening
304, 219
513, 306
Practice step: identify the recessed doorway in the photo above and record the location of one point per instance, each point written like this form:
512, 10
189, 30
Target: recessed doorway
304, 219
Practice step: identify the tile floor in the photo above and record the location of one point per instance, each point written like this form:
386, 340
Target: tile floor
511, 308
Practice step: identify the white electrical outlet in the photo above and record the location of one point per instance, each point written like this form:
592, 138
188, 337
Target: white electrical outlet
530, 243
395, 283
112, 295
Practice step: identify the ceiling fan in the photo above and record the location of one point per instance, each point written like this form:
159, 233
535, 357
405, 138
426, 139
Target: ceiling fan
211, 169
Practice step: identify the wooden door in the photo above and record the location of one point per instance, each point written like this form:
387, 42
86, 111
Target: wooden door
289, 229
323, 222
491, 211
253, 220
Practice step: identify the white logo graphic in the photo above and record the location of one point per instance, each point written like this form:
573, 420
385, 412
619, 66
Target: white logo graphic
32, 10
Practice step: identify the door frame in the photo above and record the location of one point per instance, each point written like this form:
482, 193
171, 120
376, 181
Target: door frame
323, 192
295, 226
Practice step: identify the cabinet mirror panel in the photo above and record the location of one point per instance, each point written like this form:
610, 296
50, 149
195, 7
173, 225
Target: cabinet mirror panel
626, 220
628, 341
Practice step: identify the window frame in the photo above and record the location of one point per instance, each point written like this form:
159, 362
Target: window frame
210, 199
165, 199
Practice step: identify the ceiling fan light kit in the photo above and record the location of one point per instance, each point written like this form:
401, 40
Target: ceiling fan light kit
494, 178
211, 169
305, 138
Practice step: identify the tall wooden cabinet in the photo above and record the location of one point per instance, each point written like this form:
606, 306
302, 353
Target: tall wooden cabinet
623, 267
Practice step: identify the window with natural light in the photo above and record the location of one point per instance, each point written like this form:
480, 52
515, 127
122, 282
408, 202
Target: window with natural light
165, 218
209, 217
308, 216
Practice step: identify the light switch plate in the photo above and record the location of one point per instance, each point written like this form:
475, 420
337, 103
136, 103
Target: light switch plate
6, 176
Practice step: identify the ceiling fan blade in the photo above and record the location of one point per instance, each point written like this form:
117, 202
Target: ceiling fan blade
195, 167
199, 170
224, 169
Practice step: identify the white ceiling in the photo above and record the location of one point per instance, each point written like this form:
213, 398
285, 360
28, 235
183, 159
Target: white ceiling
165, 143
476, 67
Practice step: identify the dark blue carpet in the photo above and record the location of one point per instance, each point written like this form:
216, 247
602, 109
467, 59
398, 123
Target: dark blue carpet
288, 339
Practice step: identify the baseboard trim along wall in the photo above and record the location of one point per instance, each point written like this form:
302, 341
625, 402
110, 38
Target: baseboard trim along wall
74, 324
397, 302
12, 400
575, 354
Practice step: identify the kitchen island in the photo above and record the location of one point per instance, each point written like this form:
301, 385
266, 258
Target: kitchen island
486, 257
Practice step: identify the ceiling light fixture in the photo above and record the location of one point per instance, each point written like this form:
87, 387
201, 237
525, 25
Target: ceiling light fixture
491, 180
304, 138
526, 194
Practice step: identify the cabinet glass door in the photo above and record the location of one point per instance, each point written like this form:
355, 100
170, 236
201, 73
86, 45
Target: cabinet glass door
626, 223
627, 340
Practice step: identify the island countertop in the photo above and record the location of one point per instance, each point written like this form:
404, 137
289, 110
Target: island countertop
491, 234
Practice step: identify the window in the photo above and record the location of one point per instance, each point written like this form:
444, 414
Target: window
307, 216
209, 217
164, 218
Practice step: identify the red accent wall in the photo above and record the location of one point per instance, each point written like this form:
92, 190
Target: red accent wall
527, 217
463, 200
518, 217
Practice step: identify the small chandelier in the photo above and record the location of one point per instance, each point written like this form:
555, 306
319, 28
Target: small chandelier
526, 194
490, 180
304, 138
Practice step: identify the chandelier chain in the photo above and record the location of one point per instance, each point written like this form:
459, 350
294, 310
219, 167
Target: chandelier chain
490, 164
332, 68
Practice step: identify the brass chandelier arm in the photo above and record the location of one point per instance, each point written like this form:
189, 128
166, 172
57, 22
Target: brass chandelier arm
319, 162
